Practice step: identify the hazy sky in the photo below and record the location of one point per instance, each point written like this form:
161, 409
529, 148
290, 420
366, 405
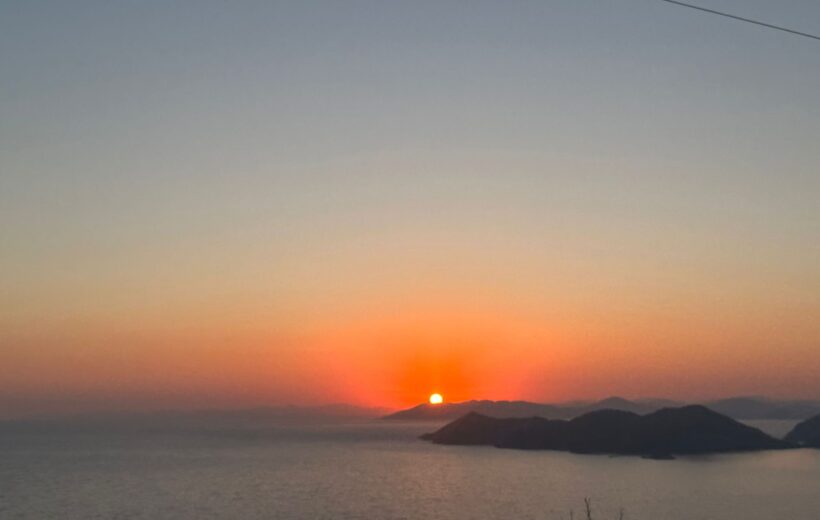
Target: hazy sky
243, 203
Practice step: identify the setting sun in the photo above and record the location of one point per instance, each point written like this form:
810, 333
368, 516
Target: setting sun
436, 399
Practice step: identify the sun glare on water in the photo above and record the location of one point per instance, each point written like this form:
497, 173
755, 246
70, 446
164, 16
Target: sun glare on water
436, 399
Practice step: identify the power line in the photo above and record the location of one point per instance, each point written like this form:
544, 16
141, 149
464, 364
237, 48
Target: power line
747, 20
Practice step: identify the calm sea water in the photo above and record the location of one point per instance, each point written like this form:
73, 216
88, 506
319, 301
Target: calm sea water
380, 471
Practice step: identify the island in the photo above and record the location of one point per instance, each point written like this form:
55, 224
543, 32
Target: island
806, 433
661, 434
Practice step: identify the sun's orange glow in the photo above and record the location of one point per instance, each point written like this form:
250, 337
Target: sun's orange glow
436, 399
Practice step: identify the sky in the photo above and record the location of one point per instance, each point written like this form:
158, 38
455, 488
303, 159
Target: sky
226, 204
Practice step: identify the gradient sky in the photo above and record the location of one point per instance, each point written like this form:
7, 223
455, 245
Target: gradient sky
219, 204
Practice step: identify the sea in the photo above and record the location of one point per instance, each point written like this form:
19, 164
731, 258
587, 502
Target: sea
380, 470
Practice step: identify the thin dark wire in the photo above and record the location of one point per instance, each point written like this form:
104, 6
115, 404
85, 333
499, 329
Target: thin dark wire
747, 20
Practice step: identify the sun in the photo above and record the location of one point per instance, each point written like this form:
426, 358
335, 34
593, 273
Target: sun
436, 399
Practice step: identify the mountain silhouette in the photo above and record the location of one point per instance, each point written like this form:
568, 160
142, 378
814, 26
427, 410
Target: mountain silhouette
498, 409
752, 408
807, 433
507, 409
742, 408
669, 431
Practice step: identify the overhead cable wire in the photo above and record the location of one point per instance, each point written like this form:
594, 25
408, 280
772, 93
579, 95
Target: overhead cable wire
742, 19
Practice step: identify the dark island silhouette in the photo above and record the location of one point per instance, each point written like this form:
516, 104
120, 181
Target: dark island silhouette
664, 433
806, 433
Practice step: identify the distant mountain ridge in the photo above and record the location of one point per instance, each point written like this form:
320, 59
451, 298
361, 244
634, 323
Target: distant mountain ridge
741, 408
508, 409
205, 418
670, 431
751, 408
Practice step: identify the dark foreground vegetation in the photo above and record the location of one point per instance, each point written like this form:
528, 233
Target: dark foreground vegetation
587, 512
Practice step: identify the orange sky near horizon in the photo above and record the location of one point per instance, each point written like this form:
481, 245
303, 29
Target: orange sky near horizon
222, 205
396, 355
